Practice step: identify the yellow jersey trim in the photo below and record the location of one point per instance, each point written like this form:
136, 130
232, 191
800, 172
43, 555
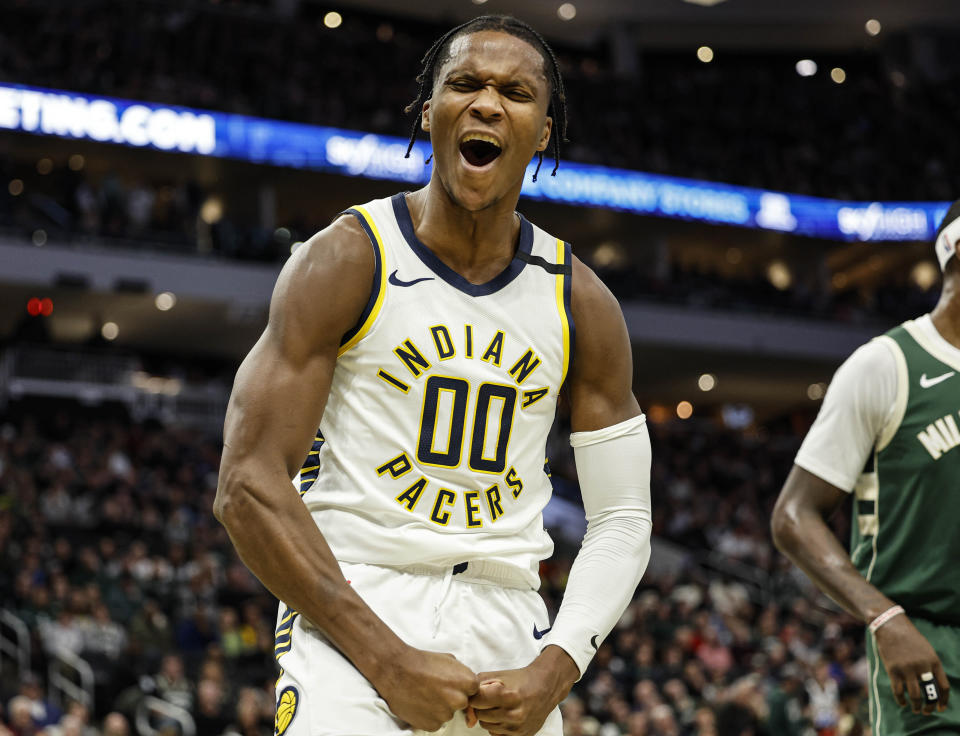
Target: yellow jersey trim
562, 309
381, 286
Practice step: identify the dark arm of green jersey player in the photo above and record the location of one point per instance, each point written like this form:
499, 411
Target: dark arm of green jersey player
800, 531
600, 391
275, 408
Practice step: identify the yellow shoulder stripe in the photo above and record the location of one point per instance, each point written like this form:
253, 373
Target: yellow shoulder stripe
381, 287
562, 309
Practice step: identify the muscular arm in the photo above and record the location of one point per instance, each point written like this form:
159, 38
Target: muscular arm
860, 399
275, 408
600, 384
800, 531
277, 402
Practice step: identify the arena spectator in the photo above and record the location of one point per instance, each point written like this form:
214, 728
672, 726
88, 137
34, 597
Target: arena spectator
210, 714
172, 684
115, 724
42, 712
786, 703
65, 634
824, 697
20, 714
249, 719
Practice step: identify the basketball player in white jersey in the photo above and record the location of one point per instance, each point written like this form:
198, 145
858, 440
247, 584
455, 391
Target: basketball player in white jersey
428, 336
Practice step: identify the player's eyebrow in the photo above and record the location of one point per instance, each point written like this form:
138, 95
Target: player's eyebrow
512, 81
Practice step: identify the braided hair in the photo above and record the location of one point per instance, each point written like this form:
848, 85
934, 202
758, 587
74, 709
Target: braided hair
436, 56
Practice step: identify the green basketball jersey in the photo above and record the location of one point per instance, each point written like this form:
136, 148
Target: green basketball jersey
906, 527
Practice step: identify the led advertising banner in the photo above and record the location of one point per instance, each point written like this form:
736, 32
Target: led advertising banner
351, 153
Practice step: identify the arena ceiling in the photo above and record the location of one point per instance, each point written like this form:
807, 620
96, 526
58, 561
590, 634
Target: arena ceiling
761, 24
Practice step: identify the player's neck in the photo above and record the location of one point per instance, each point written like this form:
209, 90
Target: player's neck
946, 315
477, 245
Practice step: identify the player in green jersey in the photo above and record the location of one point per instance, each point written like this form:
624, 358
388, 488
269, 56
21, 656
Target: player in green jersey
889, 433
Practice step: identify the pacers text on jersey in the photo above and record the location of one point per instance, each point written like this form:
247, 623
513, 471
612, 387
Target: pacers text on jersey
484, 445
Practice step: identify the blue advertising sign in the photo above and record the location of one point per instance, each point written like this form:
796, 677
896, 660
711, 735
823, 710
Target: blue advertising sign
351, 153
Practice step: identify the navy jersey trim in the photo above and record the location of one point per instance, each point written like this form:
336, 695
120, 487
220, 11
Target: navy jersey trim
283, 638
552, 268
441, 269
568, 299
375, 290
310, 470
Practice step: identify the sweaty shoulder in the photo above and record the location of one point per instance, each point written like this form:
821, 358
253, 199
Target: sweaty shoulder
342, 245
323, 288
590, 296
859, 402
601, 372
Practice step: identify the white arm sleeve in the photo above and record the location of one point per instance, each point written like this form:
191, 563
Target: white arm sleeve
859, 402
613, 465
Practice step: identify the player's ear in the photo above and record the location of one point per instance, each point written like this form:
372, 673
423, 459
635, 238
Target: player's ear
425, 117
545, 135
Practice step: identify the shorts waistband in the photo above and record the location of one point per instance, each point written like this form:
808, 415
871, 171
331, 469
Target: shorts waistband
484, 572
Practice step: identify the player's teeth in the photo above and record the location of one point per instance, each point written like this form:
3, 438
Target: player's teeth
484, 138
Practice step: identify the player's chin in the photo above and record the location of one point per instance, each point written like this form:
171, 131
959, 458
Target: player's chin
476, 191
477, 201
476, 196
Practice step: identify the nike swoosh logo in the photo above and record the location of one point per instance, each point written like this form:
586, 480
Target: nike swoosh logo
593, 641
928, 382
397, 282
539, 634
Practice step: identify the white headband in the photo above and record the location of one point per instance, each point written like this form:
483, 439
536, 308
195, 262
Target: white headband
946, 243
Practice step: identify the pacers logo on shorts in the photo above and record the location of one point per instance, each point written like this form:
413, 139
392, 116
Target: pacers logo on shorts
287, 705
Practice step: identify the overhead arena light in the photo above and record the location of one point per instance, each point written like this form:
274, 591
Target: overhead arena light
110, 330
779, 275
816, 391
165, 301
704, 3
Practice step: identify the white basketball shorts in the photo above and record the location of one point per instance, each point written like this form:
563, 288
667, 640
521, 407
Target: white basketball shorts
485, 625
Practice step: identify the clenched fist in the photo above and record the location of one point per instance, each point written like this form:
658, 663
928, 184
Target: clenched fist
426, 689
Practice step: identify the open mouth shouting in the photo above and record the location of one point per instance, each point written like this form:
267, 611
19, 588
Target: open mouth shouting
479, 149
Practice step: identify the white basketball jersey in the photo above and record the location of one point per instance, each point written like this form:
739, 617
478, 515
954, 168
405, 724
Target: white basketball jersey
432, 445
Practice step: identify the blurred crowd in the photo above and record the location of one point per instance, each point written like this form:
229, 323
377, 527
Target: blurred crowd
884, 133
895, 299
172, 215
109, 552
65, 203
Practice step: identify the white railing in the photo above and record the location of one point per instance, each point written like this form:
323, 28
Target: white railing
150, 709
17, 646
70, 678
94, 377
